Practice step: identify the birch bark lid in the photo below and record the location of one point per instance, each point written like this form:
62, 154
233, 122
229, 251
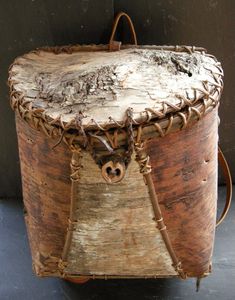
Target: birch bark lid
101, 85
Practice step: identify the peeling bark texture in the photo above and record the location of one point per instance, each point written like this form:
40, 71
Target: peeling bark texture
115, 233
103, 84
185, 177
46, 192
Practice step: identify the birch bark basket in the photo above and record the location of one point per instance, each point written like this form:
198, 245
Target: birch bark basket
64, 99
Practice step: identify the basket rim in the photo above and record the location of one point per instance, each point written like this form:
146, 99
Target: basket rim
37, 117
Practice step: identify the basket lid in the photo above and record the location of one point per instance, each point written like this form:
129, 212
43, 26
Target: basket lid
94, 87
101, 85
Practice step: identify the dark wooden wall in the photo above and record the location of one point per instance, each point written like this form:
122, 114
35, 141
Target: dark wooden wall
27, 24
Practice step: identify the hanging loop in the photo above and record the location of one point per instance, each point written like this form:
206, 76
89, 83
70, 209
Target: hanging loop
114, 45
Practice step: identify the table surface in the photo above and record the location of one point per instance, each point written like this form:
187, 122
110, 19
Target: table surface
18, 282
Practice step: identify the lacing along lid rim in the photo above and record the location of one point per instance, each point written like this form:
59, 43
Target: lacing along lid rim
211, 90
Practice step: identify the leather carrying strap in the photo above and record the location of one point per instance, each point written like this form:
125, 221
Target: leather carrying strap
228, 180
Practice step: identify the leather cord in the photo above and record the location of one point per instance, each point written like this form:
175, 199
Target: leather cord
228, 180
145, 169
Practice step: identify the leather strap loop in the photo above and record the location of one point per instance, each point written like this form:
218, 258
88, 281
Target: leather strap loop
228, 180
114, 45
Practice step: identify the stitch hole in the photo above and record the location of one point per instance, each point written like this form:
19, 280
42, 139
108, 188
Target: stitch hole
30, 141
